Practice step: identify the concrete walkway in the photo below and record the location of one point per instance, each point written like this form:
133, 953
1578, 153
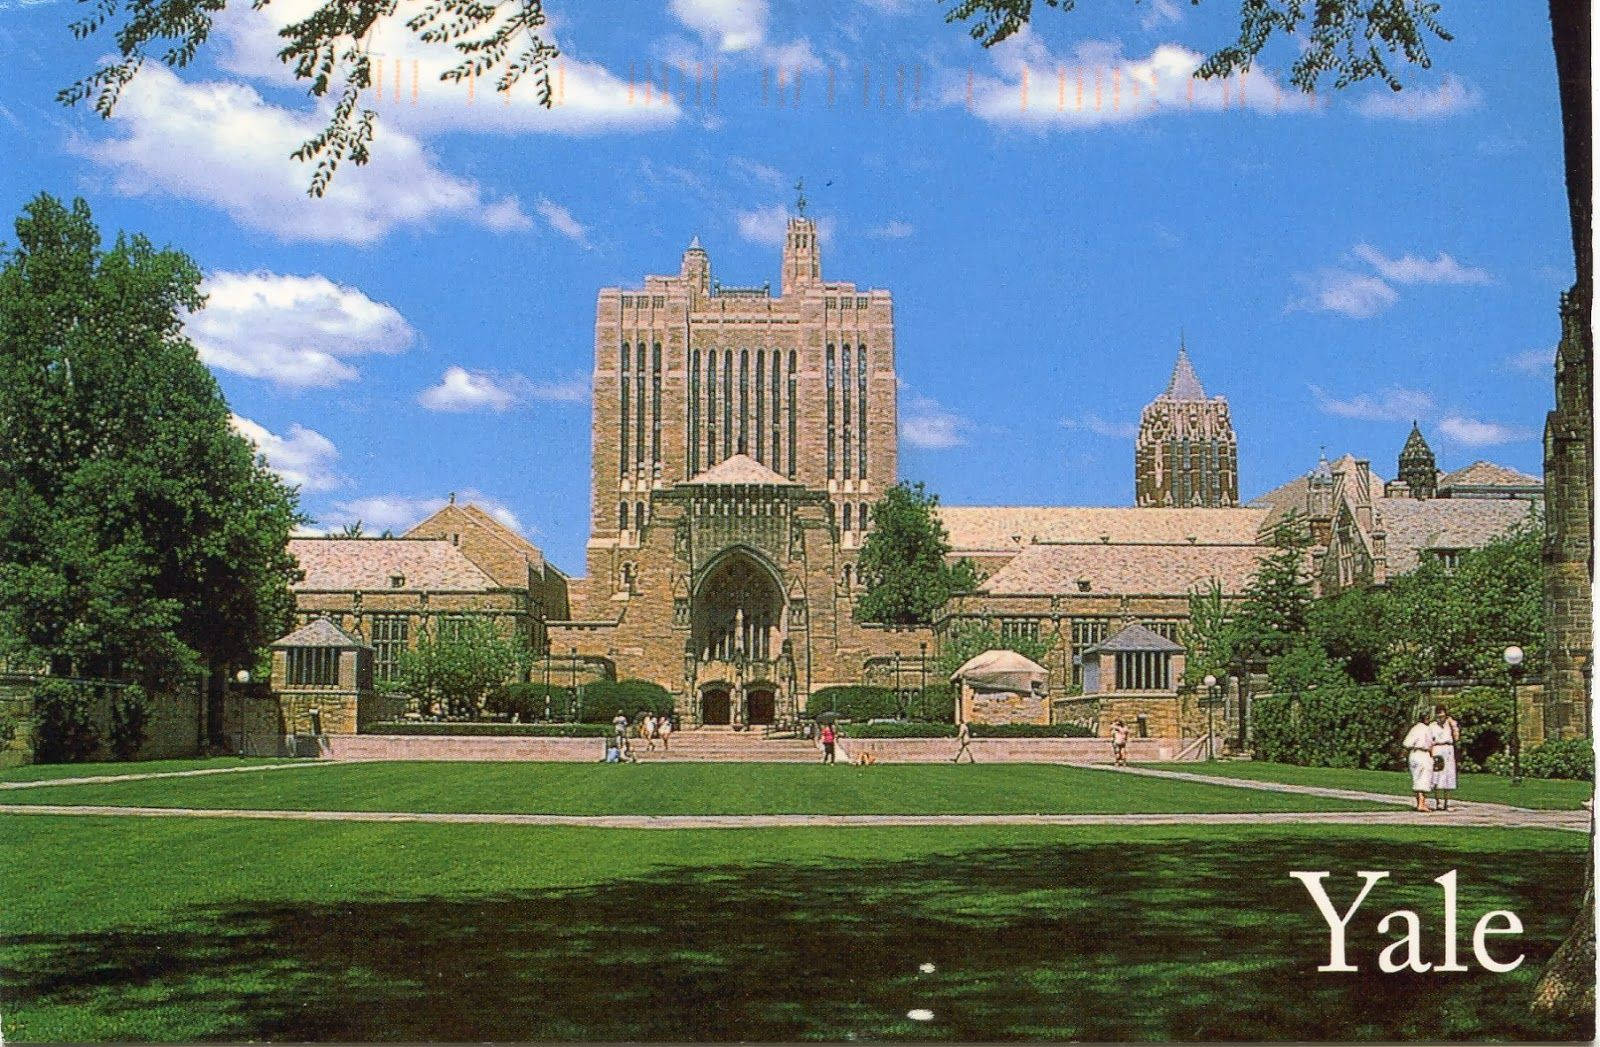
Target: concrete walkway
102, 779
1487, 815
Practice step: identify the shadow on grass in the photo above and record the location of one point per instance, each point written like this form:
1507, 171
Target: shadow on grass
1188, 940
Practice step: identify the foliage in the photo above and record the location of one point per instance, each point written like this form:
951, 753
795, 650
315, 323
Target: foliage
1571, 758
855, 702
114, 563
1317, 717
1032, 730
129, 715
493, 730
329, 46
602, 700
1484, 716
529, 700
1351, 40
935, 703
899, 730
1353, 627
461, 668
903, 561
64, 730
1210, 637
1276, 608
966, 640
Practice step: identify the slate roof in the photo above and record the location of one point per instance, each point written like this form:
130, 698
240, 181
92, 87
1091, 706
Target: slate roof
1056, 568
344, 564
1292, 495
739, 469
1443, 523
1136, 637
319, 633
978, 528
1488, 474
1185, 384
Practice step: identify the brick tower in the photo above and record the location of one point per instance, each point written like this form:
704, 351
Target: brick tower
1417, 468
1186, 455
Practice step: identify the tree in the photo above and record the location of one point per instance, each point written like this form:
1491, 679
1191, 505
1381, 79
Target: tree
1210, 637
903, 561
1276, 608
970, 639
460, 668
140, 536
349, 530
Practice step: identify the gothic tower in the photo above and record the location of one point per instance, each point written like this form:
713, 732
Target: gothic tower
1186, 455
1417, 469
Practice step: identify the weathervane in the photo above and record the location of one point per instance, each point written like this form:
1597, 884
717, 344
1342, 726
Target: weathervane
800, 197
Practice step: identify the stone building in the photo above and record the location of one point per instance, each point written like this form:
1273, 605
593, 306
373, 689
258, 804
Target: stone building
740, 437
1569, 531
1186, 455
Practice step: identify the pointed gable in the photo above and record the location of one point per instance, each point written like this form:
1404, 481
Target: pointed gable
739, 469
1185, 384
319, 633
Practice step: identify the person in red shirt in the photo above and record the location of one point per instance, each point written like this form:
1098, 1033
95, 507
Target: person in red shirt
828, 739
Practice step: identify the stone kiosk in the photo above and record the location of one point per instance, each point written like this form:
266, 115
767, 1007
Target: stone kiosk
1132, 676
323, 679
1002, 687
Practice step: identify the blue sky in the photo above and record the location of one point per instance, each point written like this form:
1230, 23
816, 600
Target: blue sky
1337, 266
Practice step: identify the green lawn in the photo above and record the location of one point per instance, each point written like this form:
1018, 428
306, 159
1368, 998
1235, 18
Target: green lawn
684, 788
170, 929
1487, 788
47, 771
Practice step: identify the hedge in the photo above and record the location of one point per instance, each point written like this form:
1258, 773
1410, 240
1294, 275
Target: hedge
1332, 725
602, 700
1565, 758
1031, 730
899, 730
492, 730
527, 700
854, 702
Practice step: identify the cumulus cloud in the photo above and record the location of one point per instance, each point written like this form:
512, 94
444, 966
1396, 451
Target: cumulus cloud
224, 146
400, 513
303, 459
740, 28
1472, 432
892, 230
297, 332
1160, 13
463, 390
1450, 96
1357, 294
928, 425
1391, 405
1539, 363
768, 226
560, 219
1409, 269
1101, 427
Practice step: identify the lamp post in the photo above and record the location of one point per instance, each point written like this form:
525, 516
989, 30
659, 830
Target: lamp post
1513, 657
922, 678
1211, 706
577, 695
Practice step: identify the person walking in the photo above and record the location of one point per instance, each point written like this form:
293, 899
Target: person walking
664, 728
648, 730
1119, 744
964, 748
829, 737
1446, 736
1419, 758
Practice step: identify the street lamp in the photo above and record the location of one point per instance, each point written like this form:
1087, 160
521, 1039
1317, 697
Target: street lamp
577, 695
1513, 657
1211, 705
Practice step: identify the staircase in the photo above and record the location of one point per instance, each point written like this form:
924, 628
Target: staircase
723, 745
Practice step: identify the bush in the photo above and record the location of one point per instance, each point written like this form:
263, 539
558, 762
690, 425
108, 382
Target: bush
492, 730
1565, 758
1031, 730
936, 704
128, 719
1334, 723
1484, 714
527, 701
855, 702
64, 728
899, 730
602, 700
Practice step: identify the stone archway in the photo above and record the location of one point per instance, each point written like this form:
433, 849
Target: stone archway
760, 704
737, 609
716, 705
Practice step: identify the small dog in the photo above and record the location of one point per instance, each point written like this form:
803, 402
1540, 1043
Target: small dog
865, 760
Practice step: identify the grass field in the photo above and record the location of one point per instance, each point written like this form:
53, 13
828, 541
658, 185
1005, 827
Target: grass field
47, 771
172, 929
1485, 788
684, 788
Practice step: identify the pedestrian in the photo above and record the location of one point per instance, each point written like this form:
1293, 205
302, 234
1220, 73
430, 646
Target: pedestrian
964, 748
1119, 743
648, 730
1446, 736
619, 723
828, 740
1419, 758
665, 729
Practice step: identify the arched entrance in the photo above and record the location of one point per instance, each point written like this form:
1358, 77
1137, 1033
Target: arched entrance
761, 704
716, 707
738, 610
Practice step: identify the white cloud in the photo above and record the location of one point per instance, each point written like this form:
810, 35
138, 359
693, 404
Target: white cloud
768, 226
1341, 291
1391, 405
462, 390
1409, 269
1475, 433
1161, 12
304, 458
739, 27
759, 172
892, 230
1101, 427
1452, 95
1098, 87
928, 425
560, 219
293, 331
1539, 363
400, 513
222, 145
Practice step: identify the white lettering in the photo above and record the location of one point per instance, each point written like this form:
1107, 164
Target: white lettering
1412, 940
1448, 882
1480, 948
1336, 923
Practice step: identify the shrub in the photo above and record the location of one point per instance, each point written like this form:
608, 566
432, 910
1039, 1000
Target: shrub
899, 730
1331, 722
64, 728
1031, 730
128, 719
936, 704
601, 700
1559, 758
854, 702
527, 700
1484, 714
492, 730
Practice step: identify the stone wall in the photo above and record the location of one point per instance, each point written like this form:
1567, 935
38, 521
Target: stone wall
1001, 707
173, 726
1569, 528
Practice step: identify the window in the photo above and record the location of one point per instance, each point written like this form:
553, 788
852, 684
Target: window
655, 403
452, 626
711, 408
1449, 559
777, 459
761, 406
313, 667
1143, 670
638, 516
1019, 629
828, 388
861, 303
626, 387
792, 425
659, 301
861, 409
694, 412
727, 402
861, 516
389, 635
848, 516
844, 390
744, 401
638, 386
1086, 632
1165, 628
397, 581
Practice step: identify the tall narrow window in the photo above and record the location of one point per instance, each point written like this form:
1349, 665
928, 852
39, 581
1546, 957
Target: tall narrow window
861, 512
861, 412
638, 516
761, 406
777, 459
694, 412
622, 516
655, 403
727, 403
711, 408
792, 426
638, 389
828, 389
627, 416
744, 401
849, 515
844, 392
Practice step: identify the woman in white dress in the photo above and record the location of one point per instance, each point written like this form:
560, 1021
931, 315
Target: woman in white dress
1446, 734
1419, 758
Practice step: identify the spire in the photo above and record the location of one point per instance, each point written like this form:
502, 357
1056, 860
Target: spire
694, 245
1185, 384
800, 197
1417, 467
